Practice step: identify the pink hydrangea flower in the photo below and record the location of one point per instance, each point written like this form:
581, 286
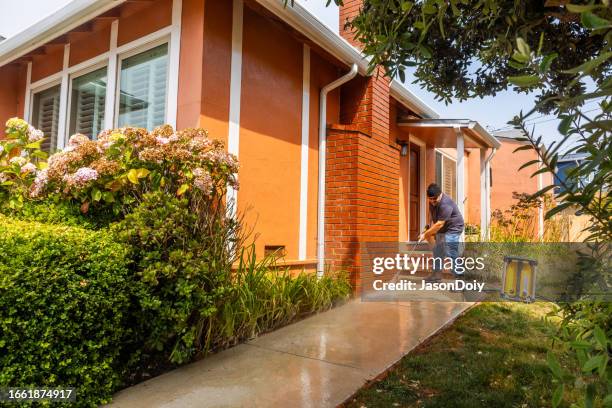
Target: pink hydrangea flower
40, 182
34, 135
85, 174
77, 139
28, 168
162, 140
18, 160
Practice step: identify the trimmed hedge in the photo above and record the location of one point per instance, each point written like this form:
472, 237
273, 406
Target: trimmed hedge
64, 300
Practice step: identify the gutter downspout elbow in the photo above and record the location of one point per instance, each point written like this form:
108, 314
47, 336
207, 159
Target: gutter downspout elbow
322, 158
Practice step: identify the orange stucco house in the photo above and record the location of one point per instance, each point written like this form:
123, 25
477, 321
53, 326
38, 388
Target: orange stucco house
330, 157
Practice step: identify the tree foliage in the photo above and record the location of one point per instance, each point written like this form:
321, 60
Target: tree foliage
464, 48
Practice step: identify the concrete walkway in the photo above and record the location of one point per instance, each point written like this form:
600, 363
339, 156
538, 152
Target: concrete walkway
317, 362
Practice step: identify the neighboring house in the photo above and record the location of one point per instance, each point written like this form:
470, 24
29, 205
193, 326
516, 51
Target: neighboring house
508, 177
565, 164
321, 172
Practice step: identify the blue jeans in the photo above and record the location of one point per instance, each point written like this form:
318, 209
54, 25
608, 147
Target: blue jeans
447, 246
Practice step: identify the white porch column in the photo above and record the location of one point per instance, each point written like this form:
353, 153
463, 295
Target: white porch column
488, 195
484, 221
460, 172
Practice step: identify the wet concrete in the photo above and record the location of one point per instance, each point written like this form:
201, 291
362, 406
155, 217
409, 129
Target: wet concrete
317, 362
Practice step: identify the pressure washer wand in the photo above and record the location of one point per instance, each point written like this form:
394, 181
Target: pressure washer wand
420, 239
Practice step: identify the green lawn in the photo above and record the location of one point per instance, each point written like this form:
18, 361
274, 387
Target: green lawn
492, 356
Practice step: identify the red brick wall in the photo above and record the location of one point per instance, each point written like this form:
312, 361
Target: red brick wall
362, 171
348, 11
362, 175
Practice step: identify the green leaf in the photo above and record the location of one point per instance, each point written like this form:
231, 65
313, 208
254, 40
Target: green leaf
182, 189
108, 197
565, 124
34, 145
547, 61
517, 56
592, 363
594, 22
429, 8
590, 65
557, 209
141, 173
132, 175
96, 194
579, 8
523, 47
553, 365
425, 51
406, 6
580, 345
607, 402
524, 147
601, 338
529, 163
557, 395
524, 81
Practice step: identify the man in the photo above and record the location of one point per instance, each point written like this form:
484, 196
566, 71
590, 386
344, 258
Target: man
446, 227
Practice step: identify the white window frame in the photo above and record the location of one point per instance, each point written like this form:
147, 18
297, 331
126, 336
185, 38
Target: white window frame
139, 49
451, 158
72, 77
170, 34
30, 107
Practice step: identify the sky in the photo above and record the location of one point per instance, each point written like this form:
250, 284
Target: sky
492, 112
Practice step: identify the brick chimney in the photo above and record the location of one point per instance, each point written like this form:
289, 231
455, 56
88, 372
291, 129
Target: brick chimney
348, 11
362, 167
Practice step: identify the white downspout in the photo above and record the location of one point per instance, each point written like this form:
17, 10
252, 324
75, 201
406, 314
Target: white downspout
488, 176
322, 157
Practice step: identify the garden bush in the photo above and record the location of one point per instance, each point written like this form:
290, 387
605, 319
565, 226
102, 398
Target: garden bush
119, 260
182, 274
64, 304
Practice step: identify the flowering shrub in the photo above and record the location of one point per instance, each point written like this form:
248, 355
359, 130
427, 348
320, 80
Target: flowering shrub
122, 165
21, 160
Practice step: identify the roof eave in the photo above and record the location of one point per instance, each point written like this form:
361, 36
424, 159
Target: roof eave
413, 102
65, 19
472, 125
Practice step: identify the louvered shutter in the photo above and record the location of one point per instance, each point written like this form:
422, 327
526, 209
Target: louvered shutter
45, 115
143, 89
449, 177
87, 103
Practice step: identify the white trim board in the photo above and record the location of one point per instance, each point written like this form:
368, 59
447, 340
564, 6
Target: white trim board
303, 232
233, 139
422, 179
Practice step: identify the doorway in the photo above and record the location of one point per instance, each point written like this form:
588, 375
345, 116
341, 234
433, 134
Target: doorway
414, 212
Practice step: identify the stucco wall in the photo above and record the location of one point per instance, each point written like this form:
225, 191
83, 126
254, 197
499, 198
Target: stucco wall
508, 178
12, 90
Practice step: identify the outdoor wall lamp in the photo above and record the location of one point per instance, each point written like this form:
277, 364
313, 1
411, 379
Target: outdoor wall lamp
404, 149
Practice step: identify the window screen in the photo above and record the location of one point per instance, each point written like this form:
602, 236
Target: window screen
143, 86
87, 102
45, 115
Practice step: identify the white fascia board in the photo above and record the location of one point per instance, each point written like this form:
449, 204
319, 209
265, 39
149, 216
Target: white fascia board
413, 102
305, 22
63, 20
485, 135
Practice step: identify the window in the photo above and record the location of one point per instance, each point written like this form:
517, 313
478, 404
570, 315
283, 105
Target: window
45, 115
87, 102
143, 88
446, 175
